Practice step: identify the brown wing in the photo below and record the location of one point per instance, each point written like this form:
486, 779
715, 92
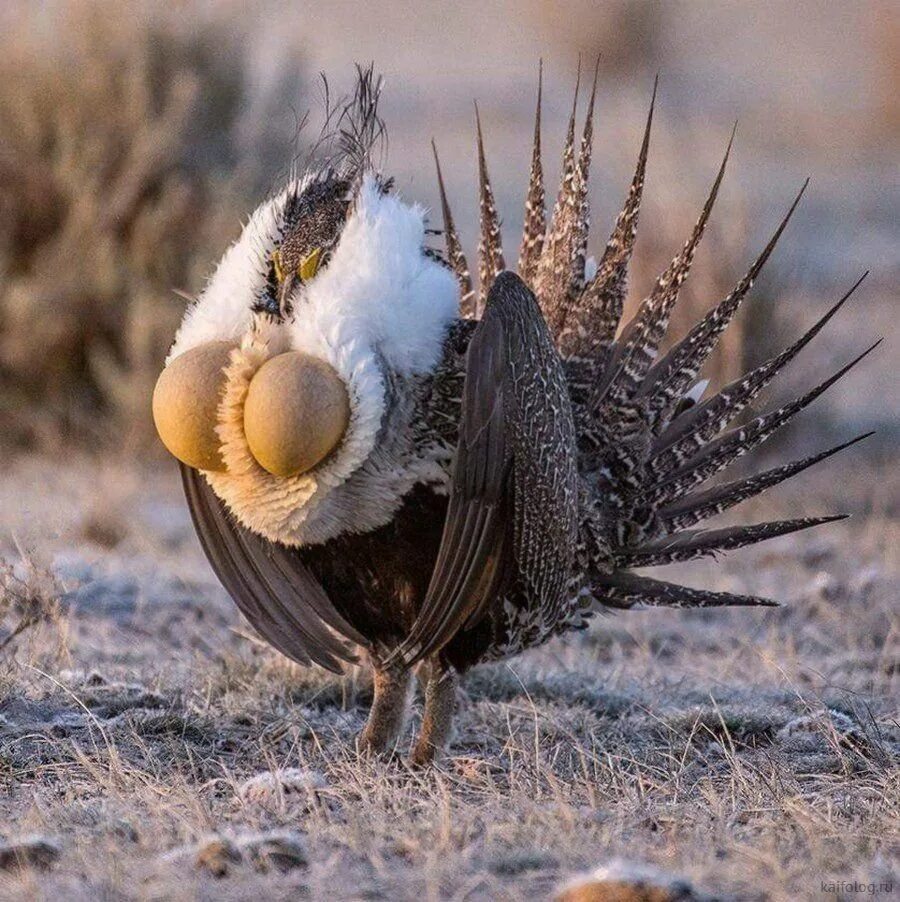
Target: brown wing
269, 583
512, 511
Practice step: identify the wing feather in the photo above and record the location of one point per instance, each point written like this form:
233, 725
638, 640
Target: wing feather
273, 589
512, 512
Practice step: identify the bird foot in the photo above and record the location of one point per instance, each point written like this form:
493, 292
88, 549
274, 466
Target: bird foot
424, 755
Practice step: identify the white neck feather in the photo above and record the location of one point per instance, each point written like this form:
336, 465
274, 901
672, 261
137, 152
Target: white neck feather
380, 309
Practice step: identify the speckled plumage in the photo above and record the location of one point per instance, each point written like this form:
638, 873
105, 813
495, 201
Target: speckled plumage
545, 456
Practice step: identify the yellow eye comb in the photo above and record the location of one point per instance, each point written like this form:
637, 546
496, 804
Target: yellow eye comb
310, 264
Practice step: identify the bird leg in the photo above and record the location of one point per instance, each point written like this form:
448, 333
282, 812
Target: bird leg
437, 720
388, 711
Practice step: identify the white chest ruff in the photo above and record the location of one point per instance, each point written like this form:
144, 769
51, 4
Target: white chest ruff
378, 314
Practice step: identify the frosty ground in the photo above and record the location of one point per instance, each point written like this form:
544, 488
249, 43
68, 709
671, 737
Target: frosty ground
158, 750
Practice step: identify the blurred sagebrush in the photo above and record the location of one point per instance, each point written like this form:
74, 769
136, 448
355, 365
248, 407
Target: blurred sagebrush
29, 597
119, 136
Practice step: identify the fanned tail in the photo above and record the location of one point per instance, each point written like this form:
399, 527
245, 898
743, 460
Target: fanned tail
560, 271
668, 379
535, 213
691, 544
628, 590
728, 447
591, 322
695, 427
648, 444
490, 248
455, 256
639, 343
688, 510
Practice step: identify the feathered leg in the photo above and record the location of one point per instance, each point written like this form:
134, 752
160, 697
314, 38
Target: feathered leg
388, 712
437, 721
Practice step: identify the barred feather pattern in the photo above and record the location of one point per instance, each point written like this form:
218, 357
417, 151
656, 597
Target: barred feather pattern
592, 321
691, 544
490, 248
668, 380
535, 213
560, 270
639, 344
691, 509
455, 256
698, 425
628, 590
646, 445
721, 452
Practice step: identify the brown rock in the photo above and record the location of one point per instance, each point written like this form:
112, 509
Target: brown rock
32, 851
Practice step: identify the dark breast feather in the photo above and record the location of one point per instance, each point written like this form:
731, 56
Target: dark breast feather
378, 579
365, 587
370, 588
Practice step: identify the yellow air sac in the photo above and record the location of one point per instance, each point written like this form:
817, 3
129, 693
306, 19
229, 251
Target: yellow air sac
185, 402
296, 413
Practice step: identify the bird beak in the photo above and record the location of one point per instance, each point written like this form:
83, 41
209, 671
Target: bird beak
284, 293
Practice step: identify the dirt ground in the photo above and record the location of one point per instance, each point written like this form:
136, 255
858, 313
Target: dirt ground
152, 748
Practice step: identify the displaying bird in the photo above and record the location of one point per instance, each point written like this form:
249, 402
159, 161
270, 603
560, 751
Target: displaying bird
382, 460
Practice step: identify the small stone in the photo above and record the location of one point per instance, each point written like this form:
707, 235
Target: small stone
269, 786
31, 851
284, 851
216, 855
625, 881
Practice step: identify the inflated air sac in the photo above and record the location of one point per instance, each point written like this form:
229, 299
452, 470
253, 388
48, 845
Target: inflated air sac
296, 413
185, 401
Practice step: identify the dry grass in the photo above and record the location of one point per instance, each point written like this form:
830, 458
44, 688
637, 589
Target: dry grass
752, 752
29, 597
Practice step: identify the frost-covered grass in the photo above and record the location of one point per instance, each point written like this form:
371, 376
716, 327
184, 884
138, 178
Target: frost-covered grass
159, 750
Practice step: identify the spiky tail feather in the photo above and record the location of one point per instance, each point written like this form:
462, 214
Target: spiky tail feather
646, 440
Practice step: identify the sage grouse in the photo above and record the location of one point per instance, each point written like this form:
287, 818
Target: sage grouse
382, 459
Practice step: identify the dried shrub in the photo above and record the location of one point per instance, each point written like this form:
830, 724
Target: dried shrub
29, 597
118, 136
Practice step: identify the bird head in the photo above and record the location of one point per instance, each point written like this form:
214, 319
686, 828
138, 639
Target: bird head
289, 383
311, 224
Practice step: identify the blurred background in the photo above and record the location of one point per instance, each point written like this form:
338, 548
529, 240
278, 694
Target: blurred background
135, 137
136, 707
